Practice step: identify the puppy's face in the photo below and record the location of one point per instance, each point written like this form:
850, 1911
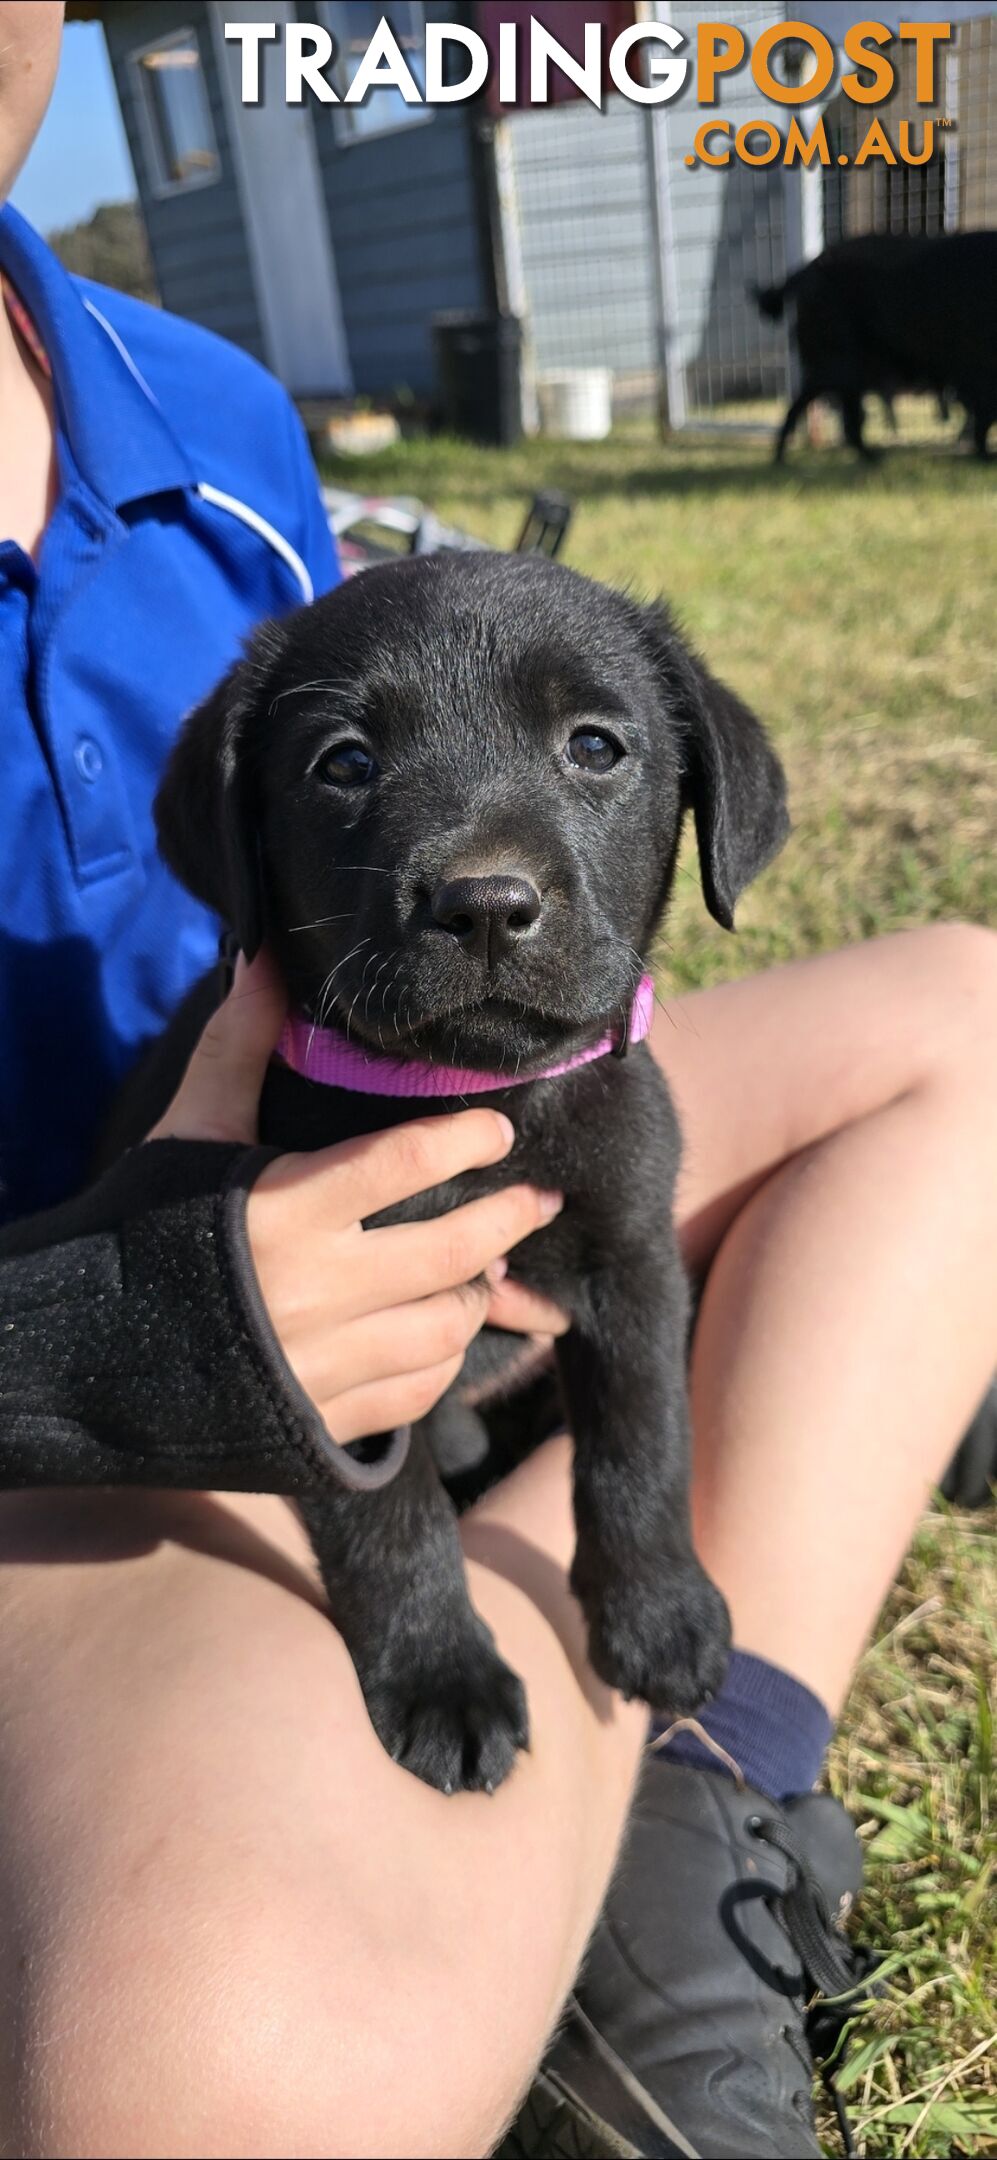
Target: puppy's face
450, 794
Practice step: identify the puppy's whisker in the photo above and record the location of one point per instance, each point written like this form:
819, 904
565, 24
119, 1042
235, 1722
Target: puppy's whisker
352, 1010
368, 963
379, 869
385, 996
319, 922
300, 689
317, 1009
385, 963
324, 996
663, 1008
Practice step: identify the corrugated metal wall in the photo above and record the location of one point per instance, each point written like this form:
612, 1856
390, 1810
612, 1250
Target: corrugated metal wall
729, 227
977, 117
584, 188
957, 189
586, 235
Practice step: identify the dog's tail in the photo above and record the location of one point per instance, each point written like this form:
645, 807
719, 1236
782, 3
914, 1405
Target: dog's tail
770, 300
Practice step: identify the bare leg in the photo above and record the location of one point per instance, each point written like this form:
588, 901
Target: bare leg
230, 1924
841, 1175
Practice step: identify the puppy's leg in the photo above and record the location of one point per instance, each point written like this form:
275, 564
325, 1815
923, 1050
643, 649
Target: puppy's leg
983, 420
438, 1694
658, 1627
794, 414
853, 421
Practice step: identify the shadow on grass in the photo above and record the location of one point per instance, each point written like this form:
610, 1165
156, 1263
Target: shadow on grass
826, 473
444, 467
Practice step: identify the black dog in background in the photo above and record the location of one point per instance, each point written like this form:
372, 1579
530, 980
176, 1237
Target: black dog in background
466, 777
889, 312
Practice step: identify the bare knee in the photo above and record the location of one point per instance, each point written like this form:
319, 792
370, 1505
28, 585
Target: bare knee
954, 1080
959, 960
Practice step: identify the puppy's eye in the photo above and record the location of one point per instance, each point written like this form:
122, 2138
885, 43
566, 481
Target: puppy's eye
349, 765
592, 751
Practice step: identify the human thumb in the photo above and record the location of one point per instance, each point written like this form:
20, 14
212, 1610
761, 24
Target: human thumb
219, 1095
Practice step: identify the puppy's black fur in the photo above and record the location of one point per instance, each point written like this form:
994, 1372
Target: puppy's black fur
458, 718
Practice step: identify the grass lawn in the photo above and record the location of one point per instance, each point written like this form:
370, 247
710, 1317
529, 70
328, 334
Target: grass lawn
855, 611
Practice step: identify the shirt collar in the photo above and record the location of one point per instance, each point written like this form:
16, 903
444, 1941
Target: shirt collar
119, 437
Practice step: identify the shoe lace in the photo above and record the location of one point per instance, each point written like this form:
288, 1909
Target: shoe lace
826, 1957
839, 1971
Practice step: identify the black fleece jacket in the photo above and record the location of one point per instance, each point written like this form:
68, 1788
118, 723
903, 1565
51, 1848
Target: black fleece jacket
135, 1348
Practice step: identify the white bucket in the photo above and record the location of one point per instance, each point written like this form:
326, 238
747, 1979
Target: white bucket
576, 403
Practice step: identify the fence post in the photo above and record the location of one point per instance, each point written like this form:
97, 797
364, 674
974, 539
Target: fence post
498, 168
673, 404
950, 181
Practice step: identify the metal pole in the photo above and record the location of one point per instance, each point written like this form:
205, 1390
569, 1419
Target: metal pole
658, 276
673, 406
672, 402
950, 182
516, 297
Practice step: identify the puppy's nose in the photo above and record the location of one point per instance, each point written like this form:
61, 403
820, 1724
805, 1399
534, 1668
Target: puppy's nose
487, 914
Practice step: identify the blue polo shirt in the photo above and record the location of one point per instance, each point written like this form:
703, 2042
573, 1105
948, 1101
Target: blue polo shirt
188, 509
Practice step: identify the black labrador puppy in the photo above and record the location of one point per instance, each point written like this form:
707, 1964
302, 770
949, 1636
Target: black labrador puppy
449, 796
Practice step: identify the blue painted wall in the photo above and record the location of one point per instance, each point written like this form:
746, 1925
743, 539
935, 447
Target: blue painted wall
197, 235
405, 235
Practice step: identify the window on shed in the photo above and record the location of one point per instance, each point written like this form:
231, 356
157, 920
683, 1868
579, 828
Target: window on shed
353, 23
176, 116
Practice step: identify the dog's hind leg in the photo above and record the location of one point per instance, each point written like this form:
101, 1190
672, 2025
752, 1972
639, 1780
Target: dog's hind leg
852, 417
983, 420
794, 415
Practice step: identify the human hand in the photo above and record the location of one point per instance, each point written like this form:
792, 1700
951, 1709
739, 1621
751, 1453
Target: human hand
373, 1323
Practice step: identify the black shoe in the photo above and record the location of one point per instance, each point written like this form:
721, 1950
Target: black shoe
972, 1474
717, 1931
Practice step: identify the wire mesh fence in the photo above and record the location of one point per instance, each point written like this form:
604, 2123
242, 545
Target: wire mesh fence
636, 255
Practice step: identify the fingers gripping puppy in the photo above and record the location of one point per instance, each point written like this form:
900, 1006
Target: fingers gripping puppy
449, 798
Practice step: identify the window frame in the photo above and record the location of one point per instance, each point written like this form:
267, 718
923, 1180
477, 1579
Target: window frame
344, 116
160, 184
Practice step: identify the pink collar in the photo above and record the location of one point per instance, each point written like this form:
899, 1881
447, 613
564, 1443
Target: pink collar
326, 1055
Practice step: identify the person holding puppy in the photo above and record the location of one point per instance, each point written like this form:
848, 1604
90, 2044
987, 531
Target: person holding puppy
232, 1924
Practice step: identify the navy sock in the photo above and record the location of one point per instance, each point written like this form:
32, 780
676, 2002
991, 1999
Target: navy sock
774, 1728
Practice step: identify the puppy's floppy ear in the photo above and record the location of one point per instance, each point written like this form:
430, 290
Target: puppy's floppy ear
732, 780
736, 788
205, 812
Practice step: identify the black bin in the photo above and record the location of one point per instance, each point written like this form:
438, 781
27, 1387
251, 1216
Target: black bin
479, 361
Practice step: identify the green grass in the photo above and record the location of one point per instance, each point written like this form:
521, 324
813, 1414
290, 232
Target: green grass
854, 610
914, 1763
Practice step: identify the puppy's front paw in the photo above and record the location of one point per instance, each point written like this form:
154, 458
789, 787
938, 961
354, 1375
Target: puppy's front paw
662, 1635
456, 1723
